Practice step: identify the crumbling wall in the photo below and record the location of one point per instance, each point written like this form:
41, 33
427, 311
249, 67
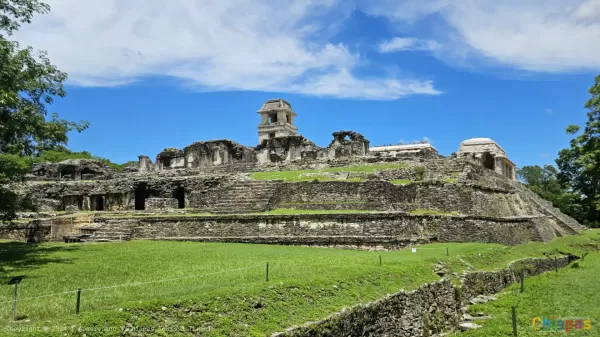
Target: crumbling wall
216, 153
145, 164
389, 230
347, 144
170, 158
286, 149
72, 169
432, 309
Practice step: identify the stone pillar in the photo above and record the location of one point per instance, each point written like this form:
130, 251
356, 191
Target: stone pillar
145, 164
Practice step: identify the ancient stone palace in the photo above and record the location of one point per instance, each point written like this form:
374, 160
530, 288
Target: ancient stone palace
288, 190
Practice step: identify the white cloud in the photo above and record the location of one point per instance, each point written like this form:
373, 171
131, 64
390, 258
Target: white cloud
534, 35
263, 45
425, 139
407, 44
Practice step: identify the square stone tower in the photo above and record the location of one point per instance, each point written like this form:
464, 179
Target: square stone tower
277, 120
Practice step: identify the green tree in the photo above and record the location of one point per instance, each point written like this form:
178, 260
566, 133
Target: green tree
580, 163
544, 181
28, 84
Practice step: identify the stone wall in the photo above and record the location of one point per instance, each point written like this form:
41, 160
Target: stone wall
72, 169
34, 232
386, 230
434, 308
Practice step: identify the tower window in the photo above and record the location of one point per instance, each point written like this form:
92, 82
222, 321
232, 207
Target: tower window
273, 118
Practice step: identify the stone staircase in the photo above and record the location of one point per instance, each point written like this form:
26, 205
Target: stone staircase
562, 222
245, 197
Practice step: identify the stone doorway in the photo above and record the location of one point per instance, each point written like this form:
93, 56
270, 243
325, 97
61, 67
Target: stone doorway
179, 194
141, 193
97, 203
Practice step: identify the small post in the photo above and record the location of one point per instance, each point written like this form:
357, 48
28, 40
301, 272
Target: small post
522, 281
379, 260
78, 301
556, 264
447, 252
267, 271
514, 320
15, 303
15, 280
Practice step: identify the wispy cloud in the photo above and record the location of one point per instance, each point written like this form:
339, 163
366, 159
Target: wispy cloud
425, 139
535, 35
407, 44
213, 45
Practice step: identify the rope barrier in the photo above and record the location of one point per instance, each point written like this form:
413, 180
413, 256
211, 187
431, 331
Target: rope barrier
134, 284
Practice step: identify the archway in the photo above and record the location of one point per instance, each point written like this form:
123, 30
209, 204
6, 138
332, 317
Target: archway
488, 161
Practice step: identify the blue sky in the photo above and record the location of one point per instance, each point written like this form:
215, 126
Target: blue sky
150, 75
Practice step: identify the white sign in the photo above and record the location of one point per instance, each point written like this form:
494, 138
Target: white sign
414, 250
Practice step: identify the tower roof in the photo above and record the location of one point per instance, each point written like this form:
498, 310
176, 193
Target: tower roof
277, 104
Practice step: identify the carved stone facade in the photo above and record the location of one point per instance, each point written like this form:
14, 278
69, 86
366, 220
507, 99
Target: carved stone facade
489, 154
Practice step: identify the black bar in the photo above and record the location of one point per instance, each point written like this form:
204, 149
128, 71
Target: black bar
267, 271
514, 321
447, 252
522, 281
15, 304
78, 300
380, 260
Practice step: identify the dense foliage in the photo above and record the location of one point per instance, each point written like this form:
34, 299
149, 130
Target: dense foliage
574, 188
544, 181
580, 163
28, 85
60, 153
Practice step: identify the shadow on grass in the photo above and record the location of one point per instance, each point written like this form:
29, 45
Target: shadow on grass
17, 257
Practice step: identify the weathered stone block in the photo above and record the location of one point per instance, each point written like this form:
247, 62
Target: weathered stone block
161, 204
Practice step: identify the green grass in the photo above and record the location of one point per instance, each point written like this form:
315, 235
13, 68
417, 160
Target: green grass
316, 211
421, 211
402, 181
305, 283
572, 293
295, 176
278, 211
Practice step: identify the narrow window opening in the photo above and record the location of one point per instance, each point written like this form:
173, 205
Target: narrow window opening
179, 194
140, 197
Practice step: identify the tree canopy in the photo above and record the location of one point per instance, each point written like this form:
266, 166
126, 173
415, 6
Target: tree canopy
580, 163
575, 185
29, 83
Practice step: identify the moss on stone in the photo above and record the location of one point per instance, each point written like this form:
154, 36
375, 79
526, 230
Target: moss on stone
421, 211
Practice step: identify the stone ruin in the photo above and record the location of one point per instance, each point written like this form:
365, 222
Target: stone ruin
421, 196
71, 169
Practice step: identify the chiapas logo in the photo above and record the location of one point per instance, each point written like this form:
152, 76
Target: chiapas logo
567, 325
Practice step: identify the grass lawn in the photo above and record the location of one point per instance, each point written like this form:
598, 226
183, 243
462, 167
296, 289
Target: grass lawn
571, 294
221, 289
295, 176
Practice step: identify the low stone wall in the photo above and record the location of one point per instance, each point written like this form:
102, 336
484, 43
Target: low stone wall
34, 232
319, 229
432, 309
